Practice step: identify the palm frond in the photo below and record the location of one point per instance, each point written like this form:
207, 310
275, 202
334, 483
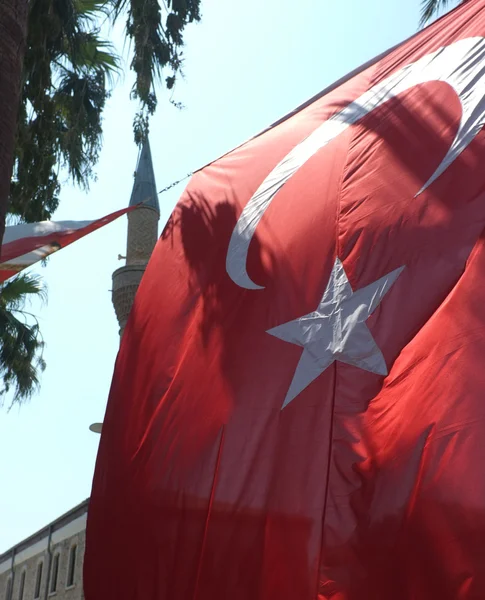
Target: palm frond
21, 344
79, 100
92, 8
430, 9
89, 53
54, 128
156, 29
17, 291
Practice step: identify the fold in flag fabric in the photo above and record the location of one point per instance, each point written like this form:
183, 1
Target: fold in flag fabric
298, 406
27, 243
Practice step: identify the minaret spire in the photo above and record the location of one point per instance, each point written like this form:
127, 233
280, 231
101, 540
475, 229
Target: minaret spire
141, 239
144, 188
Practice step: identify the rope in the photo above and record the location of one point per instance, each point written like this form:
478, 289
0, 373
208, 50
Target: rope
169, 187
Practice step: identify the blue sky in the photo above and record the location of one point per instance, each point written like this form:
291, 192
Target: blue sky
247, 64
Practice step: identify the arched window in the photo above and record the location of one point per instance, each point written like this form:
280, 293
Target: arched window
8, 593
54, 573
22, 585
38, 580
71, 567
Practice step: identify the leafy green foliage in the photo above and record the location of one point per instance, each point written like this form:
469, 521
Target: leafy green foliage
156, 30
431, 8
67, 70
21, 345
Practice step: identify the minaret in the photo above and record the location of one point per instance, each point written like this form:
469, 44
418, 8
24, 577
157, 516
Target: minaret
142, 237
141, 240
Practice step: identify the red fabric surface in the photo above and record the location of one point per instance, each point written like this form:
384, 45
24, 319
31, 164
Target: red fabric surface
364, 487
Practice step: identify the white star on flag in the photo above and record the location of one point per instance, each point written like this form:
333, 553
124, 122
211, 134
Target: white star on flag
336, 330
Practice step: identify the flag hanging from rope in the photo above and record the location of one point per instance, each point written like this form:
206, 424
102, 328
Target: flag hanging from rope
298, 407
27, 243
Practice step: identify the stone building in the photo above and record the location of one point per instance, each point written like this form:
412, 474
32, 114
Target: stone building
49, 562
48, 565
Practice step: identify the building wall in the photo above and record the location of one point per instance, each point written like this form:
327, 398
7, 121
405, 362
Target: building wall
67, 532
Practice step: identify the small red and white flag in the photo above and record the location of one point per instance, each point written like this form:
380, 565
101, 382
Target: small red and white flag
27, 243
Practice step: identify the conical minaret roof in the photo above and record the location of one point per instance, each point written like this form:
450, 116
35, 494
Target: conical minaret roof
145, 188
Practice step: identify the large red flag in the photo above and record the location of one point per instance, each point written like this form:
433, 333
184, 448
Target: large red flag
298, 406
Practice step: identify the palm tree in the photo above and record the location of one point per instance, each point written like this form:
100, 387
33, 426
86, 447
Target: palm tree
63, 90
64, 83
66, 72
21, 345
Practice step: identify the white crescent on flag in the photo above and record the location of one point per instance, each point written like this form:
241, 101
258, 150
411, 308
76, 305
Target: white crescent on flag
461, 65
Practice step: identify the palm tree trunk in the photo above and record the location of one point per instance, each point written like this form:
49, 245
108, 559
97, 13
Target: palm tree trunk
13, 31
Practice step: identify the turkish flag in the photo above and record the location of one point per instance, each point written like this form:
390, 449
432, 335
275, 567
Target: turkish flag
298, 404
